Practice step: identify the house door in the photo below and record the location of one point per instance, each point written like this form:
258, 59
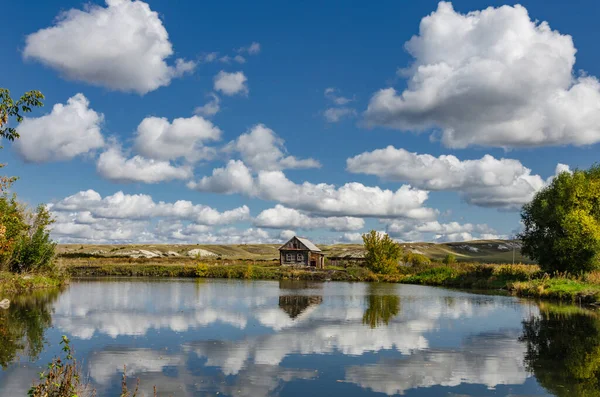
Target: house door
313, 263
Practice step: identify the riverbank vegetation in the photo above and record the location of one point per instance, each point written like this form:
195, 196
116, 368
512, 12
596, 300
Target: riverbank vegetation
26, 250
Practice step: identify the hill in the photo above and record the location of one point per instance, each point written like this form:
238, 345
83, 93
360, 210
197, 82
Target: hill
485, 251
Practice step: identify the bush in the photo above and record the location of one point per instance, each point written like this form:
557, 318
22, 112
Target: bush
382, 253
416, 259
25, 243
449, 259
202, 270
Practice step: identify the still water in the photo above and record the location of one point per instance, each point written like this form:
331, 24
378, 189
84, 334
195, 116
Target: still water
264, 338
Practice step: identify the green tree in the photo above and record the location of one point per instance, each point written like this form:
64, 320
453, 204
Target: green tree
10, 109
562, 223
449, 259
382, 253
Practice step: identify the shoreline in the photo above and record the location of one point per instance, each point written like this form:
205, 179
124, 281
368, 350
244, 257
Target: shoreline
518, 280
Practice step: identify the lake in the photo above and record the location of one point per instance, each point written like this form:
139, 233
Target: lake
269, 338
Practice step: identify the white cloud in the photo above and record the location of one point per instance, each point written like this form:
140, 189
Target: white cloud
231, 83
410, 230
262, 149
159, 139
235, 177
66, 132
252, 49
332, 94
142, 206
487, 182
281, 217
122, 47
492, 78
210, 108
334, 115
352, 199
239, 59
352, 238
285, 235
113, 165
87, 216
339, 111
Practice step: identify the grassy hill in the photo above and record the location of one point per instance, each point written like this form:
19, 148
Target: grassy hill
485, 251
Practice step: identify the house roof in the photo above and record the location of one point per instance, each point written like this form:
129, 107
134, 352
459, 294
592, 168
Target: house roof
307, 243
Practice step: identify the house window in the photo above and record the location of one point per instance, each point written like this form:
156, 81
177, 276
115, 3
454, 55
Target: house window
288, 257
299, 258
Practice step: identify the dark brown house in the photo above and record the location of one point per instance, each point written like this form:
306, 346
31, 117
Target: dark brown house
301, 252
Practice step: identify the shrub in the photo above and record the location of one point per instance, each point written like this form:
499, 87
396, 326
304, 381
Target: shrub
382, 253
416, 259
202, 270
449, 259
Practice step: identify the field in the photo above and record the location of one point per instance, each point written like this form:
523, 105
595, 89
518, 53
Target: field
483, 251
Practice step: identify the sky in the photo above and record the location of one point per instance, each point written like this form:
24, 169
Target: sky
250, 122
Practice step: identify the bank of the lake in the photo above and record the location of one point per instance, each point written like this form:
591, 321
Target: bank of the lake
12, 283
519, 279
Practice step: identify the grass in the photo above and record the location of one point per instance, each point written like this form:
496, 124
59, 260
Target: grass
11, 283
559, 287
519, 279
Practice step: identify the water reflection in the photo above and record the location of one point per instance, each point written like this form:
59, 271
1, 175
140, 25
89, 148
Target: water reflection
382, 305
247, 338
23, 325
563, 350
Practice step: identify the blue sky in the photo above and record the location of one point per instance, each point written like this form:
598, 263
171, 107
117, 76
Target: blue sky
319, 83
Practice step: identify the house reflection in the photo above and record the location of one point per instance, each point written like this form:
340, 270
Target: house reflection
295, 304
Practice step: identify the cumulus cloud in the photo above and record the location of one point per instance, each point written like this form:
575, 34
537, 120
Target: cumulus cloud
493, 78
123, 47
280, 217
210, 108
262, 149
231, 83
352, 199
113, 165
87, 216
487, 182
410, 230
66, 132
235, 177
159, 139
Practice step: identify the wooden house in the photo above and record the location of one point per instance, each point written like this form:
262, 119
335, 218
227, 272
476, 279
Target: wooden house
301, 252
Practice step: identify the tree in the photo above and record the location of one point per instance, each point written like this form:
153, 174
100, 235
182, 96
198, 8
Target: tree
382, 254
562, 223
449, 259
11, 109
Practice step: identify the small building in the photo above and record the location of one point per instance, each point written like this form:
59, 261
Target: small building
301, 252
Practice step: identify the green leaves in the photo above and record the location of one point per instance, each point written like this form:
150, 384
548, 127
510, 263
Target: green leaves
9, 108
562, 223
383, 253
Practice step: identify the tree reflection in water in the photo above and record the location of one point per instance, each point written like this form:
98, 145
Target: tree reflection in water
383, 304
563, 350
23, 325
